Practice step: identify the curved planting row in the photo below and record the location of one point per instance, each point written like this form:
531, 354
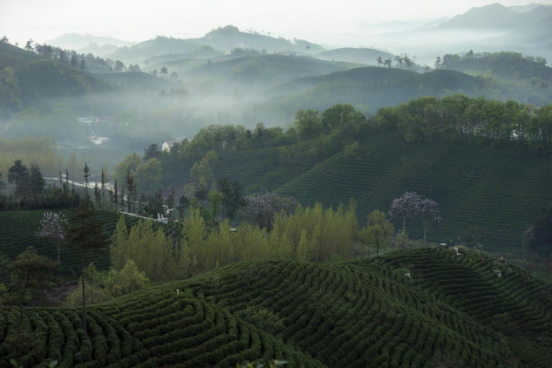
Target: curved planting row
411, 308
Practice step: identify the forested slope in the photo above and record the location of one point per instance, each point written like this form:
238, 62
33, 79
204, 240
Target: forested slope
411, 308
487, 195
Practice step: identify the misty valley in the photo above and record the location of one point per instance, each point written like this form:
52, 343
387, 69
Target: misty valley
378, 194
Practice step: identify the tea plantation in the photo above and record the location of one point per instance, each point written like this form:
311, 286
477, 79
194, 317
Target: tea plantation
410, 308
490, 196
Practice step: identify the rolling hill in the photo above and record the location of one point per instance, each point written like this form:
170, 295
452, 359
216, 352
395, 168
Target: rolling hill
367, 87
75, 41
411, 308
259, 72
505, 66
230, 37
155, 47
354, 55
42, 80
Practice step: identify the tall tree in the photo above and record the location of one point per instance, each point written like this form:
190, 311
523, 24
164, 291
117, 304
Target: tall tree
377, 232
19, 175
84, 233
86, 176
170, 201
183, 205
2, 184
30, 274
164, 71
37, 181
104, 182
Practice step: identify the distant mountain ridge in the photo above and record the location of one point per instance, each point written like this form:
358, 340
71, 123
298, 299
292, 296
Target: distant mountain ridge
75, 41
230, 37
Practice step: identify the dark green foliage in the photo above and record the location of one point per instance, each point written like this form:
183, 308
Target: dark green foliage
453, 310
538, 238
490, 196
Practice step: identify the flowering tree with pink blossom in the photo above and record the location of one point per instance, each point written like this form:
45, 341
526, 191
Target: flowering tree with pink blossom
405, 207
52, 227
412, 205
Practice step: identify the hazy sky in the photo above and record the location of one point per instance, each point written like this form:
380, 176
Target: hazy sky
136, 20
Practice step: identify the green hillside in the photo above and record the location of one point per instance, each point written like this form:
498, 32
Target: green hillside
18, 229
371, 87
12, 56
505, 66
45, 79
492, 194
255, 169
356, 76
411, 308
261, 71
354, 55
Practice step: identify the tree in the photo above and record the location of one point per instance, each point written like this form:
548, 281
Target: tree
174, 75
308, 124
84, 233
399, 61
405, 206
74, 61
82, 65
37, 181
152, 151
409, 63
52, 227
2, 184
30, 275
86, 176
19, 175
149, 176
132, 190
428, 212
183, 205
215, 199
29, 46
170, 200
438, 62
129, 279
380, 61
154, 72
4, 39
164, 71
104, 181
388, 62
377, 232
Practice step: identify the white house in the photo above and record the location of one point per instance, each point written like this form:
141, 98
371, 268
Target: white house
98, 141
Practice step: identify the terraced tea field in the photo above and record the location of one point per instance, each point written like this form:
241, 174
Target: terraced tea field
493, 194
18, 229
411, 308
